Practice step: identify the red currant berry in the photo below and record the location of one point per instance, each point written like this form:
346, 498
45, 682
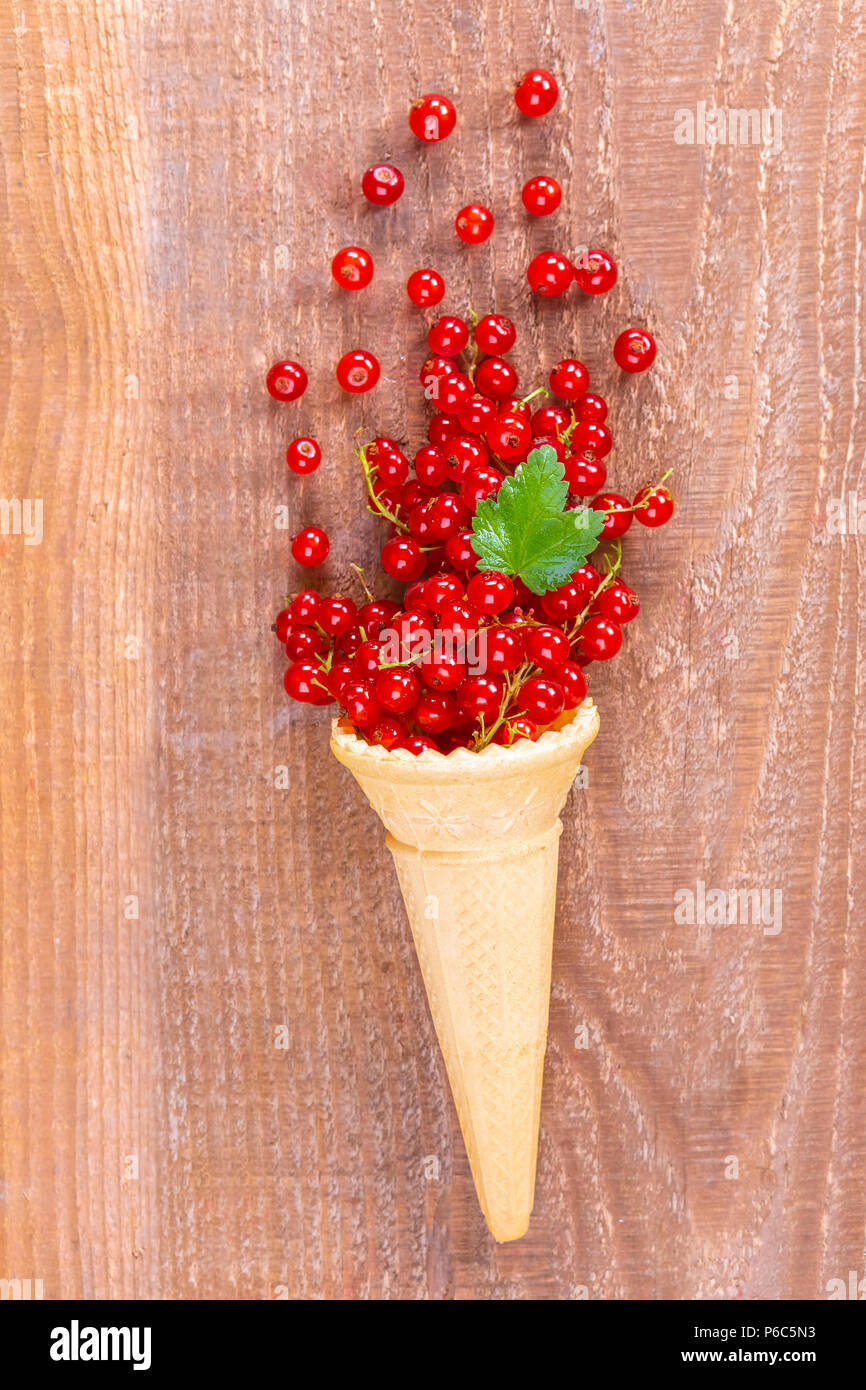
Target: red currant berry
431, 467
480, 695
476, 413
550, 419
340, 674
458, 549
358, 699
435, 711
453, 391
549, 273
303, 455
387, 731
536, 93
509, 436
413, 629
570, 676
478, 484
434, 370
305, 607
490, 592
654, 505
474, 223
357, 371
517, 727
459, 617
444, 669
304, 682
541, 196
599, 639
555, 444
419, 523
595, 272
565, 602
441, 428
425, 288
494, 333
585, 477
542, 699
286, 381
463, 453
432, 118
618, 519
495, 378
349, 641
352, 267
634, 350
512, 406
591, 407
440, 590
392, 467
283, 624
587, 577
376, 615
382, 184
367, 658
397, 690
336, 615
499, 649
310, 546
417, 744
304, 642
403, 559
448, 516
591, 440
569, 379
448, 336
388, 495
414, 493
547, 647
619, 603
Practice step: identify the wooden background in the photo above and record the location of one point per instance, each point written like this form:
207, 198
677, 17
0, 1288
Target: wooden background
175, 179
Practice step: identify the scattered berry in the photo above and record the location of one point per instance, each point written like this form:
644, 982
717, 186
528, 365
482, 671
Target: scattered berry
536, 93
634, 350
474, 223
310, 546
357, 371
352, 267
286, 381
595, 272
425, 288
591, 407
303, 455
550, 273
541, 196
432, 118
382, 184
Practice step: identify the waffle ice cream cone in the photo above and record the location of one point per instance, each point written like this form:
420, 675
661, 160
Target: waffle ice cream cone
475, 839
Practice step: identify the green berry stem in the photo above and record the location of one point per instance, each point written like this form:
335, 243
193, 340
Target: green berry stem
377, 508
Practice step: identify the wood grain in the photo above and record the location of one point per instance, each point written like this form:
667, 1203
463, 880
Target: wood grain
175, 179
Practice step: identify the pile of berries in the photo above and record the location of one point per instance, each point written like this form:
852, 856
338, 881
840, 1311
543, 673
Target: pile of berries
469, 655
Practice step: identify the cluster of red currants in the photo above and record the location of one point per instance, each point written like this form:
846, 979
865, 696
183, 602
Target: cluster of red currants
469, 656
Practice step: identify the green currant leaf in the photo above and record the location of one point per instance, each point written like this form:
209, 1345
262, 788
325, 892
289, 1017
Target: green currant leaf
525, 529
